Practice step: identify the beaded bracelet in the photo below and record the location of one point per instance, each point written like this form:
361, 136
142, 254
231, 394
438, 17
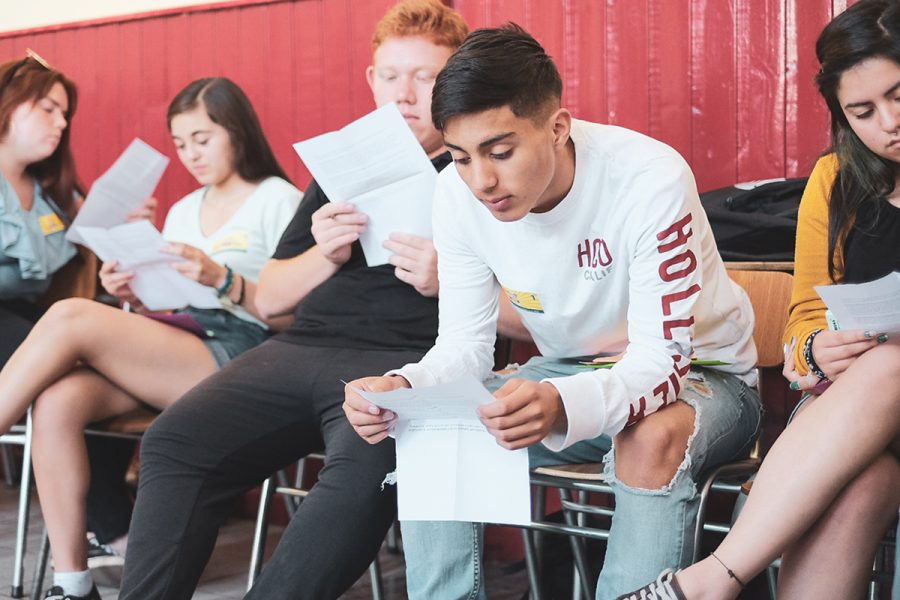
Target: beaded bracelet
229, 281
808, 356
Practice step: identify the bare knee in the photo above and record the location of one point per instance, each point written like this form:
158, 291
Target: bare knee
65, 319
58, 407
649, 453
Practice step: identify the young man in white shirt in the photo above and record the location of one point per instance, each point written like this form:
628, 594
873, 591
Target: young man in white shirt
596, 234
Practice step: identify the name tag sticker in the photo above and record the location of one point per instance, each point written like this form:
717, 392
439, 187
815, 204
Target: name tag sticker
525, 300
239, 241
51, 224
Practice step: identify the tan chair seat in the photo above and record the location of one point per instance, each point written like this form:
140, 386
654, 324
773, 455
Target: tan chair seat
586, 471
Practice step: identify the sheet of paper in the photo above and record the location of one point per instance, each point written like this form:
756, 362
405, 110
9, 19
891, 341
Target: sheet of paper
449, 468
873, 306
121, 189
138, 247
454, 470
376, 163
456, 400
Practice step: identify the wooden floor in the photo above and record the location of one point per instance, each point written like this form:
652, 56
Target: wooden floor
226, 576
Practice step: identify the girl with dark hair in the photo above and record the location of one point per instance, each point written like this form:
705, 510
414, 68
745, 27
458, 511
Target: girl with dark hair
84, 361
826, 513
38, 187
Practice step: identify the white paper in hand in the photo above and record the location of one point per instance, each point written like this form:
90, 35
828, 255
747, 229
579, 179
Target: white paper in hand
138, 247
449, 468
872, 306
121, 189
377, 163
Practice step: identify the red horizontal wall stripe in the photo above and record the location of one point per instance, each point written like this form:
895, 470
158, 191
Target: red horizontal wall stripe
728, 83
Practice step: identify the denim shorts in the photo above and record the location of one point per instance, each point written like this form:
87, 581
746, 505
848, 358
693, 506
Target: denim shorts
228, 335
803, 400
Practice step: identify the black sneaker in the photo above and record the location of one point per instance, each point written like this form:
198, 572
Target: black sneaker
664, 588
102, 555
57, 593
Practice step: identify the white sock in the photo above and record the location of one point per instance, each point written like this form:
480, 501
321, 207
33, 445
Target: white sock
74, 583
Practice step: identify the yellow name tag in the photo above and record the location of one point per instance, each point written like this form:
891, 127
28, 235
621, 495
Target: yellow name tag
239, 240
525, 300
51, 224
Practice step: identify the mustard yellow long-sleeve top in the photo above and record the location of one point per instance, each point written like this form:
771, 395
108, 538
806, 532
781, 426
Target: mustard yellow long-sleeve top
807, 310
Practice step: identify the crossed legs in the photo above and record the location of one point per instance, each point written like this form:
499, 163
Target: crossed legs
850, 435
84, 362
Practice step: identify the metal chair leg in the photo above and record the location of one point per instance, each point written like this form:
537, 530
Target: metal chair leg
375, 576
540, 511
877, 567
578, 551
290, 503
532, 542
40, 568
260, 531
772, 580
24, 502
392, 540
531, 564
9, 465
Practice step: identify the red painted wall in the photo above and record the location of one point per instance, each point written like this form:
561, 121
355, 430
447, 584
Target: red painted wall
728, 83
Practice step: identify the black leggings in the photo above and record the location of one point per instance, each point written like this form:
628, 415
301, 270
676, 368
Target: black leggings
261, 412
17, 317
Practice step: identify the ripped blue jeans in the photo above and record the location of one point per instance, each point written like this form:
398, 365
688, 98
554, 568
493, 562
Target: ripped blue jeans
651, 529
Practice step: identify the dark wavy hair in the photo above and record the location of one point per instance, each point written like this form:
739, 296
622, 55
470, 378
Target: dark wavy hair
868, 29
29, 80
228, 106
493, 68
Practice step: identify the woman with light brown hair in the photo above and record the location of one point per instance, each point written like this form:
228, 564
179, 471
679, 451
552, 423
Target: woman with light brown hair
38, 189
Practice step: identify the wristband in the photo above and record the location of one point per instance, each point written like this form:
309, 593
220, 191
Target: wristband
243, 288
226, 286
808, 356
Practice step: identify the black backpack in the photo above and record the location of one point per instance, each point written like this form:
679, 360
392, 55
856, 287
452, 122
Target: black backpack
755, 223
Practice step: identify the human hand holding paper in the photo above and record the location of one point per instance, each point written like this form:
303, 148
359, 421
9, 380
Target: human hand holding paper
834, 351
335, 226
448, 466
147, 210
523, 413
376, 164
196, 265
138, 247
118, 283
416, 262
459, 399
370, 422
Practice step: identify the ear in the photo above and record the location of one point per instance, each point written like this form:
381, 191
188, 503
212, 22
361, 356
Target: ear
370, 77
561, 127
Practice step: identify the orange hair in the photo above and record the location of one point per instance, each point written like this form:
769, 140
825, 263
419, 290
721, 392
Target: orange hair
429, 18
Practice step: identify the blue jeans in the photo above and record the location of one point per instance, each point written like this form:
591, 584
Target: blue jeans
651, 529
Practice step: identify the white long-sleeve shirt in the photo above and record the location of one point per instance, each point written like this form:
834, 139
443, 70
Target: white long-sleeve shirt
625, 262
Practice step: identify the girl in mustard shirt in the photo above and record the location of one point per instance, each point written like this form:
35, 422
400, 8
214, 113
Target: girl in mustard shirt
830, 486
